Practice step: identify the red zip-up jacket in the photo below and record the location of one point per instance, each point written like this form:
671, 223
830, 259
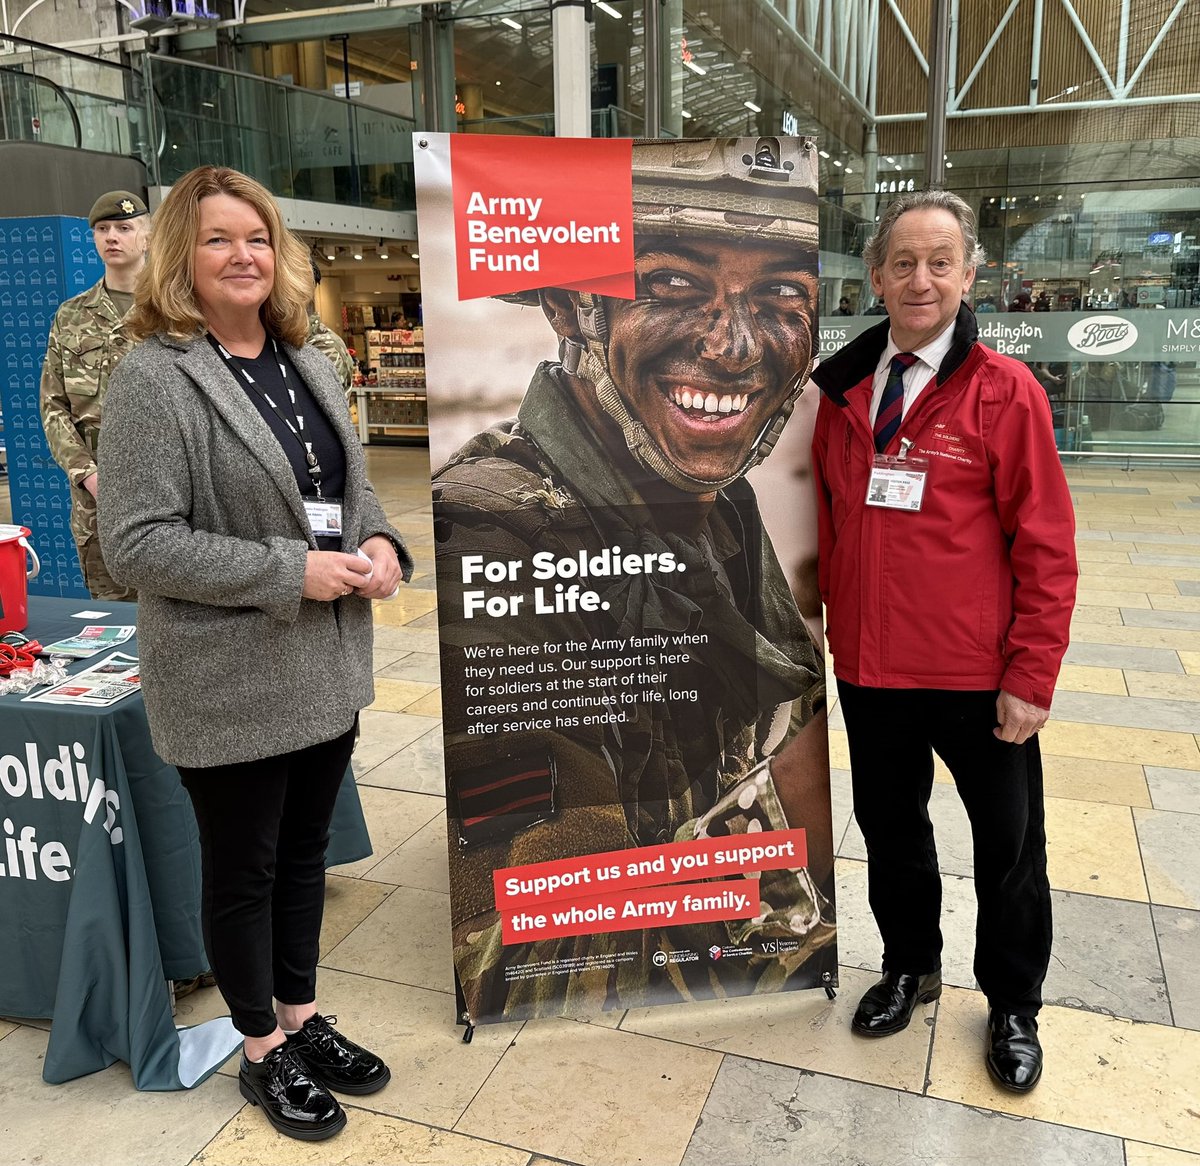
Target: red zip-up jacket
975, 590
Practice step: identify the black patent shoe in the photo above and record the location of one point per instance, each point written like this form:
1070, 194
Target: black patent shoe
1014, 1053
293, 1101
887, 1007
338, 1062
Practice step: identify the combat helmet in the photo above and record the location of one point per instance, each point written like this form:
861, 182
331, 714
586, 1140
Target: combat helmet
729, 188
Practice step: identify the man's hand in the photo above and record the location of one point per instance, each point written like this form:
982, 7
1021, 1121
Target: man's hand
800, 771
91, 484
1019, 719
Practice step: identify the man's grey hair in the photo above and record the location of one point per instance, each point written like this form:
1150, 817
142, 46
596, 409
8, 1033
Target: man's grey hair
875, 252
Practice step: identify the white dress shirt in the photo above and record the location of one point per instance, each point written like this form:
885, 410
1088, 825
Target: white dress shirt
918, 375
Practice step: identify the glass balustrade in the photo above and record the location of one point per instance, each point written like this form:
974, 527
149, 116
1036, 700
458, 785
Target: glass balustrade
297, 143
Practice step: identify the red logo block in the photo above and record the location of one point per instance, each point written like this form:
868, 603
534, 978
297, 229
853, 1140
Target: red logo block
561, 216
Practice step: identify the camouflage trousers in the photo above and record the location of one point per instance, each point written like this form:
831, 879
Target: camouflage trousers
87, 542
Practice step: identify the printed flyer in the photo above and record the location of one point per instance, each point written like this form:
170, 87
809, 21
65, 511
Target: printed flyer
637, 765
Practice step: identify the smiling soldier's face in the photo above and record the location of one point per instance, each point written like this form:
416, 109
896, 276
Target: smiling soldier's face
707, 352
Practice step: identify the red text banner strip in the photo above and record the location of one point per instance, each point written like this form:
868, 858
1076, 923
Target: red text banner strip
648, 866
635, 910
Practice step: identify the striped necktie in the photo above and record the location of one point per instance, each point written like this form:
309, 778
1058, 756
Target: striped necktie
891, 404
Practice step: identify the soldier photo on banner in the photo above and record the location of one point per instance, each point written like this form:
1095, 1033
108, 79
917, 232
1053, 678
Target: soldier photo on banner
659, 690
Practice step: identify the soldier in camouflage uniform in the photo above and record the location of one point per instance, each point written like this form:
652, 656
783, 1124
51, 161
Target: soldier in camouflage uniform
325, 340
85, 343
640, 437
328, 342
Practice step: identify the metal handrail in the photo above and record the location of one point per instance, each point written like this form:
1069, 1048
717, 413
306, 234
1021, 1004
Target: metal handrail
45, 48
176, 62
34, 79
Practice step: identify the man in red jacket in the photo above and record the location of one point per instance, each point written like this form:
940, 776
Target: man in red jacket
947, 566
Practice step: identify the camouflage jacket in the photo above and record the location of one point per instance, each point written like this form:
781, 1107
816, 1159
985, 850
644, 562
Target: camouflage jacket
329, 343
684, 765
86, 341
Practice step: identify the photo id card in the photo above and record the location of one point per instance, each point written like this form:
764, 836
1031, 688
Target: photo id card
897, 484
324, 516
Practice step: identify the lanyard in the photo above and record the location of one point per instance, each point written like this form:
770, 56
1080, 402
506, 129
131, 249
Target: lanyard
295, 424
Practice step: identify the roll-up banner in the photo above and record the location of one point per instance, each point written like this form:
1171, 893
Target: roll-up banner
637, 768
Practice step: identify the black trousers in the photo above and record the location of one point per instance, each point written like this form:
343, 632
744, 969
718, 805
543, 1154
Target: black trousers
264, 826
893, 734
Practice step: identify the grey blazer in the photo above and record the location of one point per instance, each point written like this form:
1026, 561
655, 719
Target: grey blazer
199, 511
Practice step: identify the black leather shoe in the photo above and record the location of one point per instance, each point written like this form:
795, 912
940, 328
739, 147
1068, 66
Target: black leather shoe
293, 1101
887, 1007
1014, 1054
338, 1062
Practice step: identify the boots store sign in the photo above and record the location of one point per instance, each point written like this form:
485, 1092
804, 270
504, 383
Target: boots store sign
1102, 335
1149, 334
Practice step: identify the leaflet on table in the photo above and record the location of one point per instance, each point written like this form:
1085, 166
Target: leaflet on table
92, 639
104, 683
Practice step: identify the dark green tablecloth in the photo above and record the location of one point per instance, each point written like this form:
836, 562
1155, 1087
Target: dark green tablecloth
100, 894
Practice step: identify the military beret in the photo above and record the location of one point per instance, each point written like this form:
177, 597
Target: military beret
116, 204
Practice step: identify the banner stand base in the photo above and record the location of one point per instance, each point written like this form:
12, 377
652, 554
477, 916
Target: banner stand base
464, 1013
830, 993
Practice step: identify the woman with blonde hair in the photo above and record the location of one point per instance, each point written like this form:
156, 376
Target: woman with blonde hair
236, 501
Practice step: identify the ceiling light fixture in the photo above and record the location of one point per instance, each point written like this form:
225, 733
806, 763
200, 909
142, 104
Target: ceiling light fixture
510, 22
699, 70
609, 9
752, 107
358, 253
891, 160
823, 153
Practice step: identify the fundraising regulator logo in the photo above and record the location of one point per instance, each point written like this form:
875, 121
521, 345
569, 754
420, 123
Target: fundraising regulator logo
1102, 335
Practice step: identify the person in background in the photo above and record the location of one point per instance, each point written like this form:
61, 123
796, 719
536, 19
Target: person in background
949, 609
325, 340
237, 503
843, 308
85, 343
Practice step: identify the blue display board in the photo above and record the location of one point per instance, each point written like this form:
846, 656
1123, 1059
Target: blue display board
44, 260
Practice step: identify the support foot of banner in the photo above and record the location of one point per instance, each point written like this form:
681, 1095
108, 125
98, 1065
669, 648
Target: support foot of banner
830, 993
464, 1013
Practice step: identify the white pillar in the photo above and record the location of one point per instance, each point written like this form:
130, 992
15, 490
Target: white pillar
572, 70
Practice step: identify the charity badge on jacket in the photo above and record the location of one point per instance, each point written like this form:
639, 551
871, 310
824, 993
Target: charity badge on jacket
897, 481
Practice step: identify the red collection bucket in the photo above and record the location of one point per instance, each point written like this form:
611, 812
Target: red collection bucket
14, 577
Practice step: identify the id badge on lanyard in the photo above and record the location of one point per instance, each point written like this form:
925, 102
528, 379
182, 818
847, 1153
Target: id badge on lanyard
324, 516
898, 481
